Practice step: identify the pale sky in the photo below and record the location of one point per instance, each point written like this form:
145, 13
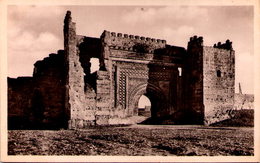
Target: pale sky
36, 31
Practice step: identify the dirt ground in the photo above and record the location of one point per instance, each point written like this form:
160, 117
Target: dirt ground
137, 140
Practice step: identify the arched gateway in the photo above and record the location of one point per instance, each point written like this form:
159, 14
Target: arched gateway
155, 95
130, 66
173, 78
184, 86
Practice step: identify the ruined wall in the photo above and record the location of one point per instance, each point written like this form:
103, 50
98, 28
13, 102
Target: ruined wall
80, 114
191, 87
38, 101
49, 81
19, 101
243, 101
219, 80
87, 48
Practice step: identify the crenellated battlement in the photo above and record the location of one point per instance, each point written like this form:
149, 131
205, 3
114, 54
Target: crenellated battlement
130, 42
132, 37
227, 45
196, 41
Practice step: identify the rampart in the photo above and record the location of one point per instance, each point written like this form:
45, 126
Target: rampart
132, 43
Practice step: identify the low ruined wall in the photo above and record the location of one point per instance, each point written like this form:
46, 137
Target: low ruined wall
38, 101
244, 101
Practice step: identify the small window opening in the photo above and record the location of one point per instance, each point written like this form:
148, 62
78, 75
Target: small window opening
218, 73
180, 71
94, 65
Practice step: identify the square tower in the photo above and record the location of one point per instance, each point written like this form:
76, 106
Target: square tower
211, 84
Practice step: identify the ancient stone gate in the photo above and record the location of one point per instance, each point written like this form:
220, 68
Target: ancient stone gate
130, 66
193, 86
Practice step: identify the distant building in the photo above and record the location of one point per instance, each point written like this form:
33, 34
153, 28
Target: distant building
146, 111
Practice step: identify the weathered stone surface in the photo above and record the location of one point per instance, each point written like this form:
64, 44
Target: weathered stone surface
76, 100
219, 83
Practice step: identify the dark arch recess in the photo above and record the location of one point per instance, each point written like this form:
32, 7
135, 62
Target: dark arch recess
155, 95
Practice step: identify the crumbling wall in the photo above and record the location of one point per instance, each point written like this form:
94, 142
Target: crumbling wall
243, 101
63, 92
19, 101
38, 101
75, 86
219, 80
87, 48
88, 95
49, 81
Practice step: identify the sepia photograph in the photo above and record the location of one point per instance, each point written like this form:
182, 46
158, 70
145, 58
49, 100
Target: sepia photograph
130, 80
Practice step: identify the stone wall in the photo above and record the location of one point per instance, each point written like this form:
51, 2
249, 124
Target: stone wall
209, 80
49, 78
76, 105
243, 101
133, 77
219, 83
103, 100
193, 82
137, 66
87, 48
19, 101
131, 42
38, 101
